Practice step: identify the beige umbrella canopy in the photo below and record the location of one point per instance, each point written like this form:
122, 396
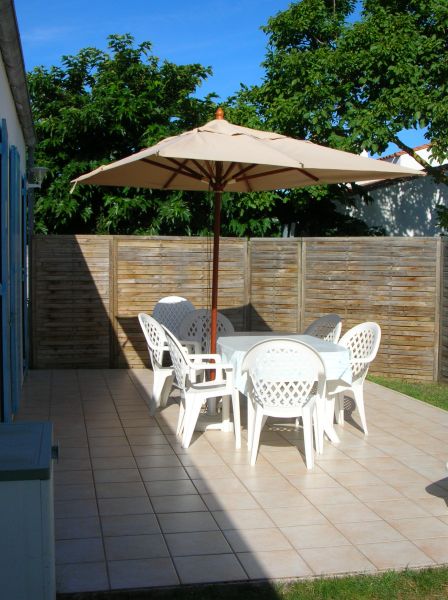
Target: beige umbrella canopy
222, 157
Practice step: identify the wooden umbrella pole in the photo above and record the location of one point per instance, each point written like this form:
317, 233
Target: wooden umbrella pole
216, 232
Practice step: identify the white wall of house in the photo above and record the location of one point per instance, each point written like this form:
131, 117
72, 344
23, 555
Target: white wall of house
407, 207
8, 112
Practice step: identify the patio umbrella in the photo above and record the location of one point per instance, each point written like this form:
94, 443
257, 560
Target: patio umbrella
223, 157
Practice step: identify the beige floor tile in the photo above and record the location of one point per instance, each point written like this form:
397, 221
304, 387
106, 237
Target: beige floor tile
348, 513
72, 477
160, 449
74, 492
292, 516
314, 536
417, 491
332, 467
124, 506
356, 479
113, 462
196, 543
79, 550
120, 490
336, 560
170, 488
397, 509
131, 547
267, 484
209, 472
75, 528
176, 504
205, 460
322, 496
434, 506
141, 573
158, 460
109, 441
219, 486
373, 493
279, 499
421, 528
140, 524
163, 473
244, 471
242, 519
313, 480
395, 555
187, 522
76, 508
81, 577
369, 532
403, 476
209, 569
72, 464
437, 549
254, 540
277, 564
242, 500
116, 476
110, 451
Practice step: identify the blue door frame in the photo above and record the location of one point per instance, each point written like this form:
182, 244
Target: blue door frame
13, 285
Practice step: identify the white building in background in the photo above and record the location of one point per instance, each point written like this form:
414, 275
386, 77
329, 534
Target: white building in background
405, 207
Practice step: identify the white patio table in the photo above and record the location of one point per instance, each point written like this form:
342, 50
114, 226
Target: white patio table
336, 359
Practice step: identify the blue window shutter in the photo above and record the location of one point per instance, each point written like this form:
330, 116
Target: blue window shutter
5, 273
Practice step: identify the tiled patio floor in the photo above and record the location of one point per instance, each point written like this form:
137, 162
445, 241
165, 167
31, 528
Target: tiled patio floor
135, 510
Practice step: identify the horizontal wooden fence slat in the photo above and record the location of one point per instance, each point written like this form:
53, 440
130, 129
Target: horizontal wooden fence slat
88, 290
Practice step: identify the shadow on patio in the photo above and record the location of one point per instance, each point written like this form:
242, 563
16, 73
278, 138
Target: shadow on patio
135, 510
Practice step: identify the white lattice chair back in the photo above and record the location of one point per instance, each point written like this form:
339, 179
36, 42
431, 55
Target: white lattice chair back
196, 326
171, 310
154, 335
178, 358
284, 373
328, 327
363, 342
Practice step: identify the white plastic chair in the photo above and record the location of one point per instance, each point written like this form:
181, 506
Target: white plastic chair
286, 380
157, 348
170, 311
328, 327
190, 376
363, 342
196, 326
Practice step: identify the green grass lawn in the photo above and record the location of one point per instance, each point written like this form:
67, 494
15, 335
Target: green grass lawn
432, 393
428, 584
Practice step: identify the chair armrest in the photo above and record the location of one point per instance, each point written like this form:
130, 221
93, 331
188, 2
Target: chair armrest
198, 357
191, 346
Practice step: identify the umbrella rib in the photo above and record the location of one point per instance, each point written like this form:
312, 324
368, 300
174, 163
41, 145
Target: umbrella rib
275, 172
177, 171
201, 168
185, 168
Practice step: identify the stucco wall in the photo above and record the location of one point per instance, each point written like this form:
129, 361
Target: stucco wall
405, 208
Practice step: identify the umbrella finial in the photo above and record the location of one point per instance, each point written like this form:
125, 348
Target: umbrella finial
219, 114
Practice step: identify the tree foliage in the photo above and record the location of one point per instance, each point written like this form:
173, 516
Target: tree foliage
353, 75
101, 106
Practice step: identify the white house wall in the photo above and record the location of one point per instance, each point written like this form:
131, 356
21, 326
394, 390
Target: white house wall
406, 208
8, 112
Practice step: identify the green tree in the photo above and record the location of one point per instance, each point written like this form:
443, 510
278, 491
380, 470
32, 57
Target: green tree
101, 106
353, 75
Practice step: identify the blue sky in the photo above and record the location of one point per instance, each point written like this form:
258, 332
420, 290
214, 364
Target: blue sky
223, 35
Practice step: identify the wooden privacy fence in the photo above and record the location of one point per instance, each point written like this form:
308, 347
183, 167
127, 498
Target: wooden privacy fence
88, 290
